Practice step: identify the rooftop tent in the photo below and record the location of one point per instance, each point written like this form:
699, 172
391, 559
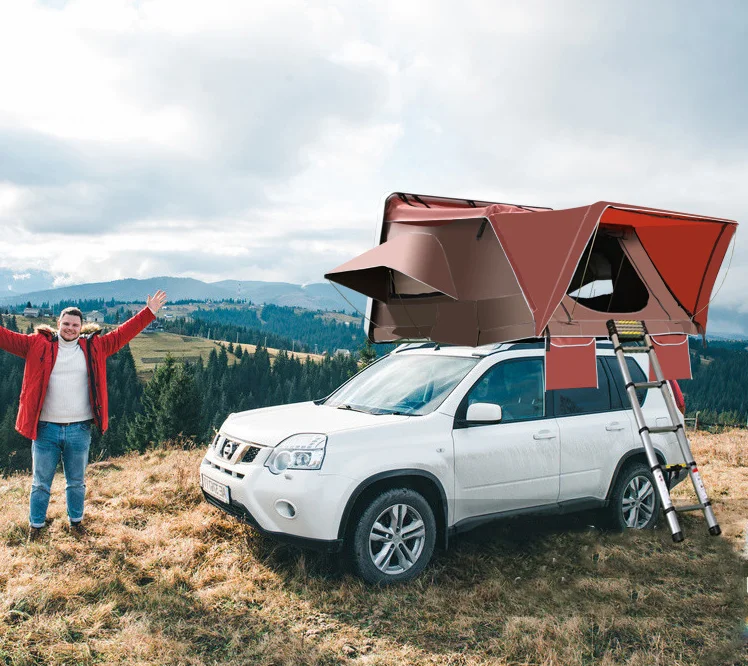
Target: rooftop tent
470, 272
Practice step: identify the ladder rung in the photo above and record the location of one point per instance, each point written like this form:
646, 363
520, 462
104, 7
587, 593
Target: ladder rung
675, 466
648, 385
630, 335
627, 327
688, 507
656, 429
634, 350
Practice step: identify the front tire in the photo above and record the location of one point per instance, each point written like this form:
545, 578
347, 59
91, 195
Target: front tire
394, 538
635, 502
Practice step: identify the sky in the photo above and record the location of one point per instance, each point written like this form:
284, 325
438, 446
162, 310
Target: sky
257, 140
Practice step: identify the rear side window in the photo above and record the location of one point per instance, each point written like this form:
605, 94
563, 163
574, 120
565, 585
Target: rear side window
637, 375
568, 402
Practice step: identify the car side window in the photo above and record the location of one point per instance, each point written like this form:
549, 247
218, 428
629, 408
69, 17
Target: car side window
637, 375
568, 402
518, 386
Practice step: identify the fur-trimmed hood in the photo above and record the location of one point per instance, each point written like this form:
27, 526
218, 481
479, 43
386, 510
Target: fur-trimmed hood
48, 331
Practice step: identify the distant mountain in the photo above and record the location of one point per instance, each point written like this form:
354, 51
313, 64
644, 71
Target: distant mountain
21, 282
317, 296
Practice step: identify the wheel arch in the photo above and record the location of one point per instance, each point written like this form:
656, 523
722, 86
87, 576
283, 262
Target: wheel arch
420, 480
634, 455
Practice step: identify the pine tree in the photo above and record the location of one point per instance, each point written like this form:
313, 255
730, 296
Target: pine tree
367, 354
179, 416
144, 429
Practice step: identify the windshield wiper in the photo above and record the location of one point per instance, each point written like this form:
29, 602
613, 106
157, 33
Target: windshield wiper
393, 412
353, 409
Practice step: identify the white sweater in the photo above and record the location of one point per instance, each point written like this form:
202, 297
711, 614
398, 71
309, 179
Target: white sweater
67, 398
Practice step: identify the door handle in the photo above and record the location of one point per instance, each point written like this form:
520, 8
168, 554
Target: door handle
614, 426
544, 434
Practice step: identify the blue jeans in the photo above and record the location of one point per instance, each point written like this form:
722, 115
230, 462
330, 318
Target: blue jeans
52, 441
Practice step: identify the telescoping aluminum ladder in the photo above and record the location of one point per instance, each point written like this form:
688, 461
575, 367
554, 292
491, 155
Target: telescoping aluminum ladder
623, 334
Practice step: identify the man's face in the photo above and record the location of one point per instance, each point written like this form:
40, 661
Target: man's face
69, 327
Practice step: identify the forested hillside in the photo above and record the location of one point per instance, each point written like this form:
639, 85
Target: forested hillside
307, 330
181, 400
719, 388
218, 330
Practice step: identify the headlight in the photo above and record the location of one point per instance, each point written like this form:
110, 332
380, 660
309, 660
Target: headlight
304, 451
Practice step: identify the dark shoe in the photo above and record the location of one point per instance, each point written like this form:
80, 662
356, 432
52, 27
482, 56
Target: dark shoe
35, 534
78, 529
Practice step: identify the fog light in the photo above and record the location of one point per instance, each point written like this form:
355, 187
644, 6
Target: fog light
285, 509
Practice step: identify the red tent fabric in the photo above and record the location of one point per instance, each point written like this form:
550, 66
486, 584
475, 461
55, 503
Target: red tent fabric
474, 272
570, 363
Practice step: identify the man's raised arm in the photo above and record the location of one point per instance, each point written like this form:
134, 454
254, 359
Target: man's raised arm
114, 340
15, 343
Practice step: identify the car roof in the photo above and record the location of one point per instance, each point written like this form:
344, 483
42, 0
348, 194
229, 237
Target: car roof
432, 348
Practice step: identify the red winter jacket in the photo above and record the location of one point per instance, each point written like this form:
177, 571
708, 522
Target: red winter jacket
40, 351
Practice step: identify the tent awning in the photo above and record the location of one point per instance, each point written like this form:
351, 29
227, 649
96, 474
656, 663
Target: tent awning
416, 262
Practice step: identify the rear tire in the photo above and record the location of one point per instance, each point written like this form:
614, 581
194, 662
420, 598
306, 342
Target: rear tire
394, 537
634, 502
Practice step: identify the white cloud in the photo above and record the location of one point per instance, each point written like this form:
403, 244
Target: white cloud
256, 140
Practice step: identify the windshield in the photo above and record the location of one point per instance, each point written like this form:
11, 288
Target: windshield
412, 384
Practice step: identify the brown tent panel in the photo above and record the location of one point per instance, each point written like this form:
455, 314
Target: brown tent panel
470, 272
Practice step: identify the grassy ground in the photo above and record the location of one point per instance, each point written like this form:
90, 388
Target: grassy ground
163, 578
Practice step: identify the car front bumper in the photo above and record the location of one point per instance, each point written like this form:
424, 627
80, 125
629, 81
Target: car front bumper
239, 511
303, 507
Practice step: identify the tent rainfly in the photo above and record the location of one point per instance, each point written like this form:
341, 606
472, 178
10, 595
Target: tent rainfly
474, 272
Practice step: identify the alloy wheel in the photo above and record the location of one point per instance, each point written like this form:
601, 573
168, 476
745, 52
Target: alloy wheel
638, 502
397, 539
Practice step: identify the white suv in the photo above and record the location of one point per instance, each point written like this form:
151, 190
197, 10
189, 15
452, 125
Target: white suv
428, 442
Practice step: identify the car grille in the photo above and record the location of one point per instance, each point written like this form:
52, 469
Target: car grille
226, 448
251, 454
225, 470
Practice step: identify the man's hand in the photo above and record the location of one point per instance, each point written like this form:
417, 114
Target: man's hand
155, 303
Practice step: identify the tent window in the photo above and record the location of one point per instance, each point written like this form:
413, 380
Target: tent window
610, 283
594, 288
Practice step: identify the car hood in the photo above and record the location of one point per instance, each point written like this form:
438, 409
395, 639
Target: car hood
271, 425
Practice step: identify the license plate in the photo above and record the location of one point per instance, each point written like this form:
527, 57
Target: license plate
218, 490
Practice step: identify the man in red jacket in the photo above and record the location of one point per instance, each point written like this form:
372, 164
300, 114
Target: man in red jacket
64, 390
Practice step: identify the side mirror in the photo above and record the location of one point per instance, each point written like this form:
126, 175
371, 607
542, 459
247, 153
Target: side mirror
483, 412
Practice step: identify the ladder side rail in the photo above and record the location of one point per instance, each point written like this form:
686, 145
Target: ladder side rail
685, 447
654, 463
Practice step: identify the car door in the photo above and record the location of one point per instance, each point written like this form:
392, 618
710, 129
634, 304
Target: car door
512, 464
595, 431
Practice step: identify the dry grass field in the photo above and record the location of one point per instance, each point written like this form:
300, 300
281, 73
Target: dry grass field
163, 578
150, 349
